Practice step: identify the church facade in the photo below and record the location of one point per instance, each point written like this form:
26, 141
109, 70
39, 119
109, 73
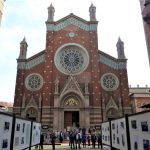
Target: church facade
71, 83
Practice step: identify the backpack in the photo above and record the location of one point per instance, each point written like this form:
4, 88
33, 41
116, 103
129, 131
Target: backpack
94, 137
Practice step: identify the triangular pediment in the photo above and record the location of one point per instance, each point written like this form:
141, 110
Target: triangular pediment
32, 103
111, 104
73, 16
72, 20
71, 86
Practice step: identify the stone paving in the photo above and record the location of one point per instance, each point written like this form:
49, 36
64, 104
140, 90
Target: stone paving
65, 146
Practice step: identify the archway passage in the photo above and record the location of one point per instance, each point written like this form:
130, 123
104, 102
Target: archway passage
71, 119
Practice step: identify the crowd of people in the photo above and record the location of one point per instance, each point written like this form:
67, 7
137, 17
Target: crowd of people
77, 138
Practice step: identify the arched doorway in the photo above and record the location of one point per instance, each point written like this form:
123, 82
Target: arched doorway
71, 112
32, 114
112, 113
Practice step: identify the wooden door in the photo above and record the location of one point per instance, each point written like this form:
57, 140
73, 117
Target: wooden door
67, 119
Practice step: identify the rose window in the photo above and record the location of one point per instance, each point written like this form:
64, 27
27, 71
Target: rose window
71, 59
109, 82
34, 82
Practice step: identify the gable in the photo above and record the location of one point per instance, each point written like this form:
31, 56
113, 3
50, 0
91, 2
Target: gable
71, 20
72, 86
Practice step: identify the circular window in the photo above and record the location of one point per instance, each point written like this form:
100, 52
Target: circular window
71, 59
109, 82
34, 82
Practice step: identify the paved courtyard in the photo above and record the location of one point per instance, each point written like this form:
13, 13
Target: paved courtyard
65, 146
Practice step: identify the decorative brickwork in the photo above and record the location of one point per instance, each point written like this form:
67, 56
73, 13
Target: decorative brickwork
70, 69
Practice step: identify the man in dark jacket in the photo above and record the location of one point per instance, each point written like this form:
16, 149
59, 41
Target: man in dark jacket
41, 142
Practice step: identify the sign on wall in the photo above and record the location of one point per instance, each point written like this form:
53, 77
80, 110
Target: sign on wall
139, 127
106, 133
119, 134
22, 134
5, 131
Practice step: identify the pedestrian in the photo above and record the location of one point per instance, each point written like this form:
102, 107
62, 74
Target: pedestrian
41, 142
99, 140
93, 139
53, 138
84, 140
78, 139
48, 138
71, 137
89, 139
60, 137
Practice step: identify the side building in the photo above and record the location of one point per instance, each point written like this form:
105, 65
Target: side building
139, 96
1, 9
71, 83
145, 9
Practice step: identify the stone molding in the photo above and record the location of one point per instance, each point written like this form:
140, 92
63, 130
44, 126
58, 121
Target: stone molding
111, 104
32, 63
112, 64
72, 21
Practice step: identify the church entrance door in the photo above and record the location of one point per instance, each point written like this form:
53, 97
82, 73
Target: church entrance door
71, 119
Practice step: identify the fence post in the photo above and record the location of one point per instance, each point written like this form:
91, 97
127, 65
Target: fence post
128, 132
12, 132
31, 135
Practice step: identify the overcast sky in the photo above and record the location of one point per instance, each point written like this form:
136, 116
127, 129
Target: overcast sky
116, 18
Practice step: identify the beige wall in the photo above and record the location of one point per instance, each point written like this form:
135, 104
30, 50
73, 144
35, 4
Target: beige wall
1, 9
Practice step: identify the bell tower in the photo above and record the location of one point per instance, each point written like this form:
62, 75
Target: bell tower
120, 49
92, 11
23, 49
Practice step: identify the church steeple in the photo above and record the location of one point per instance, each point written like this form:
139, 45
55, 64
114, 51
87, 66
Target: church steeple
92, 10
120, 49
51, 11
23, 49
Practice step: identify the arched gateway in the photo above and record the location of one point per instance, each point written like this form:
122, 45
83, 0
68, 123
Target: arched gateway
71, 83
73, 106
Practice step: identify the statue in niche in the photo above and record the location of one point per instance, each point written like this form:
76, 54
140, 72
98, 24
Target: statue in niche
86, 87
56, 85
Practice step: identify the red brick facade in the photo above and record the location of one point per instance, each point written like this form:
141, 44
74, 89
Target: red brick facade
82, 93
139, 97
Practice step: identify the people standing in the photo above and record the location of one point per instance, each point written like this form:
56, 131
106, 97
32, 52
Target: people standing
53, 138
71, 137
93, 139
89, 139
60, 137
41, 142
99, 140
84, 140
78, 139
